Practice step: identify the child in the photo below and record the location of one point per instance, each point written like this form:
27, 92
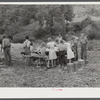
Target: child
61, 48
70, 53
52, 54
43, 50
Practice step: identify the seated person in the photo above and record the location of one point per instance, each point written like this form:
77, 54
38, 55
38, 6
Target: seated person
43, 50
32, 49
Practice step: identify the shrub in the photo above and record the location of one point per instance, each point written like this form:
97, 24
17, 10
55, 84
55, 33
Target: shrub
81, 25
94, 34
91, 36
97, 37
39, 33
19, 38
77, 27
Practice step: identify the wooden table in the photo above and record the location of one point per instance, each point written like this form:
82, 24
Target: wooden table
34, 57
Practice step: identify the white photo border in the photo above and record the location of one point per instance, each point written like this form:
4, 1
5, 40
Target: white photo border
49, 92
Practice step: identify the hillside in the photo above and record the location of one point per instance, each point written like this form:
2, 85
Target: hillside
39, 21
83, 10
27, 30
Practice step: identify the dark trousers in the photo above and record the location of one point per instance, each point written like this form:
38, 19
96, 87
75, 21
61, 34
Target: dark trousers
57, 60
83, 52
62, 58
75, 52
7, 56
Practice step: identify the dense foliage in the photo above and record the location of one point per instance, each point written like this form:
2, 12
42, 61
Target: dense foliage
13, 18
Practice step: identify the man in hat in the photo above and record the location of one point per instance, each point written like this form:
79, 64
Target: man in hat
6, 45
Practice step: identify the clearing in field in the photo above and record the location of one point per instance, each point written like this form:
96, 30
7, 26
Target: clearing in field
20, 75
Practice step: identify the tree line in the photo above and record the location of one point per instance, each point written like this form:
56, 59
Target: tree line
14, 17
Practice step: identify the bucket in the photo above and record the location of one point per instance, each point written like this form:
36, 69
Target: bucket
75, 68
81, 63
70, 67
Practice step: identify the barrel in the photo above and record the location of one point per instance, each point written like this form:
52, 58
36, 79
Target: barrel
75, 67
81, 63
70, 67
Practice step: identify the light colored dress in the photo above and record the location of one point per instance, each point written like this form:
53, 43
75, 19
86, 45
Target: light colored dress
70, 53
52, 52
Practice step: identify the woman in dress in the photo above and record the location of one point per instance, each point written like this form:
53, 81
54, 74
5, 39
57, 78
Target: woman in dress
52, 54
70, 53
75, 48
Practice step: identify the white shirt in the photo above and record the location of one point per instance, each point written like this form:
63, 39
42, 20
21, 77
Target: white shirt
26, 43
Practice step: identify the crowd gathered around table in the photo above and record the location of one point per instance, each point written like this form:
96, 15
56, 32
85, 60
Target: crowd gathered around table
57, 51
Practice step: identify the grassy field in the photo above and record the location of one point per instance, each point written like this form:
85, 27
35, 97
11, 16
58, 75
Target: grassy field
20, 75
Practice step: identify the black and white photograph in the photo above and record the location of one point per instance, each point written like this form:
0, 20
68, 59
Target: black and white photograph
50, 45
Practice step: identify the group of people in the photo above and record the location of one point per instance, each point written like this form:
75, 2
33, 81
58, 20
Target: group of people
59, 51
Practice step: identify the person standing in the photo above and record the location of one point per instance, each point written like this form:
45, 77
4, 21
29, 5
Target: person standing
52, 53
70, 53
27, 51
6, 45
75, 48
62, 51
43, 50
83, 42
57, 51
26, 45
